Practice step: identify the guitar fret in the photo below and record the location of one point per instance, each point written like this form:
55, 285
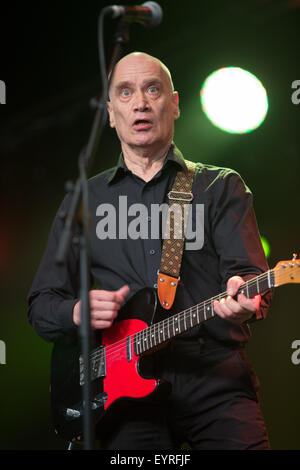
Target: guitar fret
160, 331
187, 319
145, 339
157, 334
137, 343
208, 311
145, 342
186, 326
153, 335
176, 329
194, 317
150, 336
141, 338
141, 341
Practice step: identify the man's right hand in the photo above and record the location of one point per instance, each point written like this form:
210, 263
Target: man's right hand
104, 307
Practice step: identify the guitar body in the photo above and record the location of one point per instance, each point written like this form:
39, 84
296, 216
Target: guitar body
120, 369
122, 374
123, 377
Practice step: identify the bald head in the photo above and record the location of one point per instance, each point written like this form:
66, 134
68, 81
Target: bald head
133, 60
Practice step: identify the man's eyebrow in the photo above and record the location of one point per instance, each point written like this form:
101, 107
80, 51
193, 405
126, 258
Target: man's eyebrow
128, 84
124, 84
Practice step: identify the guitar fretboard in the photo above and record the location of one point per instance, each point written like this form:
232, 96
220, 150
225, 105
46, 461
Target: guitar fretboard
167, 329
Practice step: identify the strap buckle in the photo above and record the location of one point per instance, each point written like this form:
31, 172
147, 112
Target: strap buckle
188, 197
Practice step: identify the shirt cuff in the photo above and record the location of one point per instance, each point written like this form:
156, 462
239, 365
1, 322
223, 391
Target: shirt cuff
65, 311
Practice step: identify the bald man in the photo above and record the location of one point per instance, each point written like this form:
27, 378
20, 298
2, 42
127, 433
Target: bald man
214, 399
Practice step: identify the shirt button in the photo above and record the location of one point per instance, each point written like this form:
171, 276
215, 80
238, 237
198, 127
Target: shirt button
155, 286
152, 252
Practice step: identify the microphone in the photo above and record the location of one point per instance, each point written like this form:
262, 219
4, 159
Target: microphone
148, 14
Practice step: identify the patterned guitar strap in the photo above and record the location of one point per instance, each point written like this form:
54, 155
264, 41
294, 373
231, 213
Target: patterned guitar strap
179, 199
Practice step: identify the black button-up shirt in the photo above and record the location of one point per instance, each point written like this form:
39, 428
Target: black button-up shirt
231, 246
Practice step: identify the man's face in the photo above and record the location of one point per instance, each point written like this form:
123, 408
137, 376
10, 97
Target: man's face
143, 106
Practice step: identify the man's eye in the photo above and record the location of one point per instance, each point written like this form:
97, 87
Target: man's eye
125, 92
153, 89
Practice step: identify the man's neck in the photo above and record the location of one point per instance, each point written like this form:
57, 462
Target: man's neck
145, 162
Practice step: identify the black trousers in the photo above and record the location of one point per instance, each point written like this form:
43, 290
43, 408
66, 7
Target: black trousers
213, 403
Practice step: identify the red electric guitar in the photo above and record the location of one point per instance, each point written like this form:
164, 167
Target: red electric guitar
115, 362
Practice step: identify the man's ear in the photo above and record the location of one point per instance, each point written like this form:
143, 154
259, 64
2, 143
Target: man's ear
176, 105
111, 114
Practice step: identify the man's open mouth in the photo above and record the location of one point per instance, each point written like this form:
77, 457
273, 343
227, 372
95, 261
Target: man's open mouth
142, 124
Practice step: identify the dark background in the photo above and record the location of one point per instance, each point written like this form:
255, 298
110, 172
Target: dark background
49, 61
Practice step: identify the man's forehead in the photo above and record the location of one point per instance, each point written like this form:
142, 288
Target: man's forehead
139, 67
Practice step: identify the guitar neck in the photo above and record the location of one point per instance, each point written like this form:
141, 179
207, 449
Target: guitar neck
167, 329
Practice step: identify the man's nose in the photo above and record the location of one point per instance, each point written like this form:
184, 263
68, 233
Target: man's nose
141, 102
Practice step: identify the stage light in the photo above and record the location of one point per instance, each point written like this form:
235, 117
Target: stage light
234, 100
266, 246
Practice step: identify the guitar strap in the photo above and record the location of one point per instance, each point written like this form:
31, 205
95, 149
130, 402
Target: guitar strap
179, 199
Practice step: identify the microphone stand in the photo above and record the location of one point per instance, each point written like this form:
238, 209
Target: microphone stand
77, 221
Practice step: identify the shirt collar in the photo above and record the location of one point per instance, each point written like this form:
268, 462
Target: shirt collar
173, 155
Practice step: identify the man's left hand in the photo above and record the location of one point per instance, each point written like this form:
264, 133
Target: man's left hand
240, 310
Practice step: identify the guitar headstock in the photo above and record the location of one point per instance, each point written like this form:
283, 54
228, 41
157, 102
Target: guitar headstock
286, 272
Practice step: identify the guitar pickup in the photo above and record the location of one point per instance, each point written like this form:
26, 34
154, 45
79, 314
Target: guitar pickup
97, 364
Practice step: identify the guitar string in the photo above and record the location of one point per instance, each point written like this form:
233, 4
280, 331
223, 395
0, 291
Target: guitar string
154, 328
113, 350
115, 347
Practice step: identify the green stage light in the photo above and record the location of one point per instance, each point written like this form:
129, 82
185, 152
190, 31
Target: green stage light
266, 246
234, 100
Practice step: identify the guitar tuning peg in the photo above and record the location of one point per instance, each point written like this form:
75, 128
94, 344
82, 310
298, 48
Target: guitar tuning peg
294, 256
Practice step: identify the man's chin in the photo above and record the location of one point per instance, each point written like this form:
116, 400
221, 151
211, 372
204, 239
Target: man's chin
144, 141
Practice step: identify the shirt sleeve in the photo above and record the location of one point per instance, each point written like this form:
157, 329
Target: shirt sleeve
55, 289
236, 235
